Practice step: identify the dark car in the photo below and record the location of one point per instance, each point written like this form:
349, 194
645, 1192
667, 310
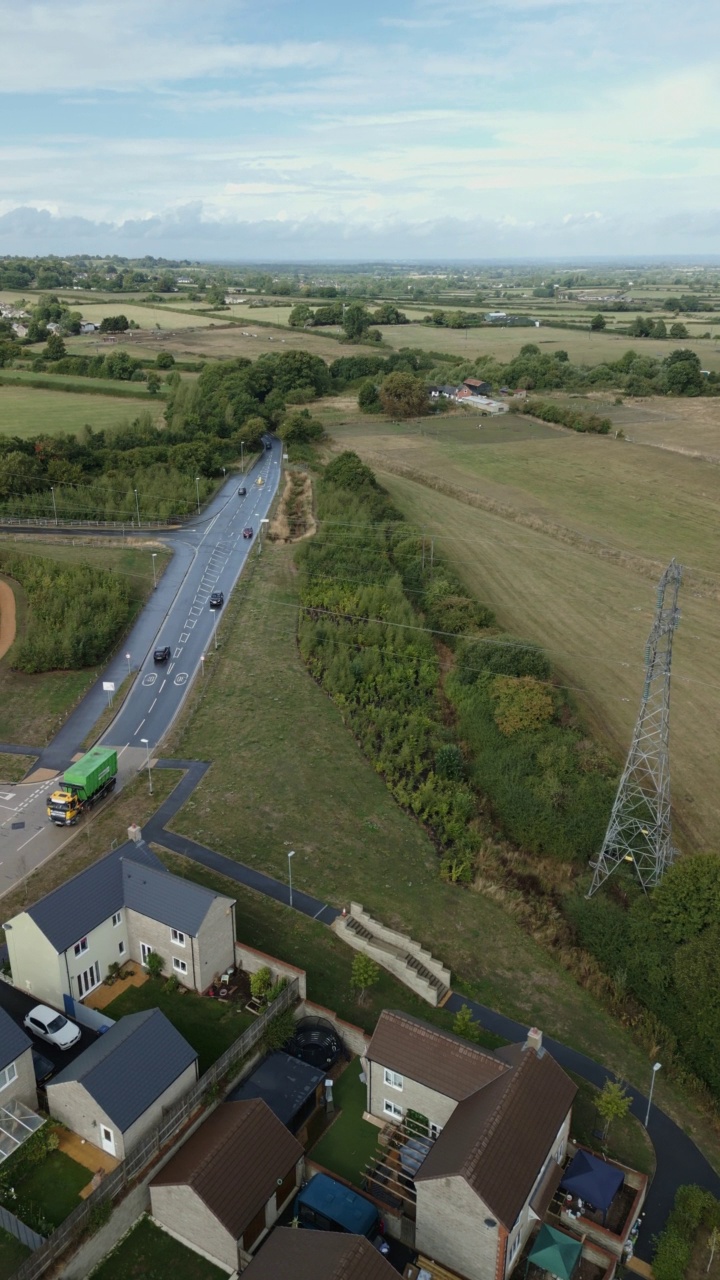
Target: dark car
162, 655
242, 492
216, 600
268, 444
42, 1067
248, 533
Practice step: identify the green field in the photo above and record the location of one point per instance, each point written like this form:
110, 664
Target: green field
566, 538
287, 775
147, 316
32, 707
28, 411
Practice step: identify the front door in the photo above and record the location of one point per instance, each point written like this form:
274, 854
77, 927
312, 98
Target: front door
88, 979
107, 1140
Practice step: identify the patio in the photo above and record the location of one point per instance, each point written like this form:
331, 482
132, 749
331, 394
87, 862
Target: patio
102, 996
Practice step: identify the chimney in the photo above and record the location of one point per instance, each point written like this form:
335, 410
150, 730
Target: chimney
135, 833
534, 1040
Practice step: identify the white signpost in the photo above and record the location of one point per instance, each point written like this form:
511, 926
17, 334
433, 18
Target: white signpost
109, 689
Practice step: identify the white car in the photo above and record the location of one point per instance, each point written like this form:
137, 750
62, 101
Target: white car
52, 1026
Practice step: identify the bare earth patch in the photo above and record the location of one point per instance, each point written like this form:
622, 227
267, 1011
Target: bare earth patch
7, 616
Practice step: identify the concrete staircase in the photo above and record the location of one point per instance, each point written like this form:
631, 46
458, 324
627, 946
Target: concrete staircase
416, 967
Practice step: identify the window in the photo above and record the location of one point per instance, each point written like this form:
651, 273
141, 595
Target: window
121, 948
393, 1079
435, 1130
88, 979
145, 950
178, 937
80, 946
117, 919
514, 1247
392, 1109
179, 966
7, 1075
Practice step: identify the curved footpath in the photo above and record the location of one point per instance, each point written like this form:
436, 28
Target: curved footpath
679, 1161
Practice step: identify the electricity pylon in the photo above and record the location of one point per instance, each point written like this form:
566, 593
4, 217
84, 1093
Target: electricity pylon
639, 830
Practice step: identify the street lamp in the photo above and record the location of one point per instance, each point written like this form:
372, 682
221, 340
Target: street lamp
656, 1068
146, 745
127, 659
291, 855
154, 558
202, 664
242, 455
137, 507
197, 490
52, 490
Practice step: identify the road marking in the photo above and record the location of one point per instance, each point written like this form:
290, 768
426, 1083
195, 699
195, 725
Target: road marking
139, 727
162, 686
185, 636
149, 679
195, 609
7, 795
181, 677
152, 704
190, 622
37, 833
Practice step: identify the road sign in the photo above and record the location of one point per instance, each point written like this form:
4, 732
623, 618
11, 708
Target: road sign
108, 686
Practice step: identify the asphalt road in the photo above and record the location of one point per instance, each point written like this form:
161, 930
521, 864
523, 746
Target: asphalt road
207, 557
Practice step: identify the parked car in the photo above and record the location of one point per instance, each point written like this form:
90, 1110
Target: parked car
248, 533
216, 600
42, 1067
162, 655
242, 492
52, 1026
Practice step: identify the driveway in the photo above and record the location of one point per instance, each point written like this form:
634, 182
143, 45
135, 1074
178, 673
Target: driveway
17, 1004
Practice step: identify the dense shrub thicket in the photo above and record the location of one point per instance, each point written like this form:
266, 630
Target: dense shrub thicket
75, 613
373, 650
693, 1208
665, 950
567, 415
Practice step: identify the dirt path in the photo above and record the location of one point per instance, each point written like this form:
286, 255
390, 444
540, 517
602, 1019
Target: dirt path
7, 617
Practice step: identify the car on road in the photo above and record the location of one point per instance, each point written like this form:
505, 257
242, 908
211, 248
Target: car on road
52, 1026
268, 444
242, 492
248, 533
162, 655
216, 600
42, 1067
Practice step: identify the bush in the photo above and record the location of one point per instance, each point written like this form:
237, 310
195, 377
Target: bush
279, 1031
154, 964
164, 360
693, 1207
521, 704
260, 983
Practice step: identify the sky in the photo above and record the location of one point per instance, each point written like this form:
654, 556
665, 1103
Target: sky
282, 130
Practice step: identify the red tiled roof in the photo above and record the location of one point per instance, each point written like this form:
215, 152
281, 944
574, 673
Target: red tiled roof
432, 1057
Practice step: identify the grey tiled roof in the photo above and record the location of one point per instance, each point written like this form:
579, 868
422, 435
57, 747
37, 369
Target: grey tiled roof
13, 1040
164, 897
131, 876
128, 1068
81, 904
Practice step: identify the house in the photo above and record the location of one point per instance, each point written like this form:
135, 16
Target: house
20, 330
477, 386
318, 1255
115, 1092
87, 326
497, 1126
121, 908
52, 326
17, 1076
226, 1186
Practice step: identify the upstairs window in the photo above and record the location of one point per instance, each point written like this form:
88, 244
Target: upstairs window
177, 937
80, 946
392, 1079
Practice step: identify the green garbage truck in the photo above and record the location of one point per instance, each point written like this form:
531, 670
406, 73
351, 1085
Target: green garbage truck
88, 780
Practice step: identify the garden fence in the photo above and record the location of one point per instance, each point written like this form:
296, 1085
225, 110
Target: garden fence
20, 1230
140, 1156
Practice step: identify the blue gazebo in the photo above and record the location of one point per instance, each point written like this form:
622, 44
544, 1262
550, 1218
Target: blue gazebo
592, 1180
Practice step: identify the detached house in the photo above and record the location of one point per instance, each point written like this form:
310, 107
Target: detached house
17, 1075
120, 908
115, 1092
497, 1126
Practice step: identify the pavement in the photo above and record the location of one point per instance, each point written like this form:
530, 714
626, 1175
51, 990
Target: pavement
208, 556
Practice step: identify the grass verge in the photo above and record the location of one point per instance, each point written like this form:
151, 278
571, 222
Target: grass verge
13, 768
210, 1026
148, 1252
288, 775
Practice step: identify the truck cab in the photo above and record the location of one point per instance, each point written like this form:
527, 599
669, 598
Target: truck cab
63, 808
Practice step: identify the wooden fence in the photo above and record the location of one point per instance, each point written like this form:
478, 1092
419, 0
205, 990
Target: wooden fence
141, 1156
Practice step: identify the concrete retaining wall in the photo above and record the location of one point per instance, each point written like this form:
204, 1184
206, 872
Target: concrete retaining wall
354, 1038
401, 940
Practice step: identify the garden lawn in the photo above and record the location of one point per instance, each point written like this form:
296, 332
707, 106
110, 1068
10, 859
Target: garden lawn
210, 1026
54, 1186
627, 1140
12, 1253
350, 1142
147, 1252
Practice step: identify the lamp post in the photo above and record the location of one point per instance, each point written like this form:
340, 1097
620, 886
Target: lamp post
202, 664
656, 1068
52, 490
291, 855
215, 627
197, 491
127, 659
137, 508
146, 745
154, 558
242, 456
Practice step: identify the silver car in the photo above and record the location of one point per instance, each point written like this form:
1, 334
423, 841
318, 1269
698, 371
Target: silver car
52, 1026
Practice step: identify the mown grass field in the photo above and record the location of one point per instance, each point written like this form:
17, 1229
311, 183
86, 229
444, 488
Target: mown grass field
148, 317
28, 411
566, 538
32, 707
287, 774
